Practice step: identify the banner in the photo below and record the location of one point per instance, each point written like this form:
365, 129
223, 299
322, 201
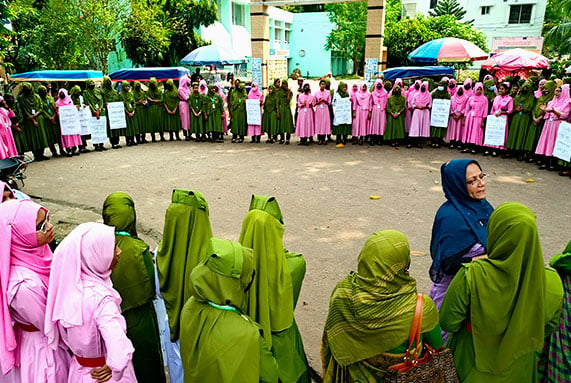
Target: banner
562, 147
343, 112
84, 119
495, 133
98, 130
257, 71
253, 114
440, 113
116, 111
69, 120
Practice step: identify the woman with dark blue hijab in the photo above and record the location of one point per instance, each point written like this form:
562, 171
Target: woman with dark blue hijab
460, 228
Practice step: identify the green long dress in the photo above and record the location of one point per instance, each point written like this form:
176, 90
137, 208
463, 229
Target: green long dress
499, 309
134, 279
19, 137
271, 300
186, 234
30, 104
219, 342
521, 121
269, 116
170, 100
238, 110
51, 129
436, 132
342, 129
534, 131
284, 96
395, 126
94, 99
196, 103
110, 95
213, 108
128, 99
140, 97
155, 109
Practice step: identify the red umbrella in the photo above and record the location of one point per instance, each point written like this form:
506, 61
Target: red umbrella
515, 59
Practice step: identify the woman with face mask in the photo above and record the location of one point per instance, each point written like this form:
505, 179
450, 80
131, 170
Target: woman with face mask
110, 94
452, 88
305, 127
183, 94
322, 118
361, 113
532, 137
378, 122
171, 115
238, 112
520, 123
285, 125
69, 143
155, 110
413, 90
270, 115
476, 113
502, 106
468, 87
437, 134
255, 131
457, 119
396, 106
30, 108
420, 123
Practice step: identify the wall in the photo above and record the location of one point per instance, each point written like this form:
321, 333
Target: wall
309, 34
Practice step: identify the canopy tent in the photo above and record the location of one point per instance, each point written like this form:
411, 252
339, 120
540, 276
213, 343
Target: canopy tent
144, 74
515, 62
213, 55
58, 75
405, 72
446, 50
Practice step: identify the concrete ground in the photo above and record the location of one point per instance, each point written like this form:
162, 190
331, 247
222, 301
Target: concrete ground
323, 193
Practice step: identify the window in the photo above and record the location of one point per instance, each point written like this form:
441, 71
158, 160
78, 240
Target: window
520, 14
238, 14
286, 38
277, 35
485, 10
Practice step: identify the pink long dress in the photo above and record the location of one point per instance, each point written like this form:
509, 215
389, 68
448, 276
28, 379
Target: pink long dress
183, 109
455, 129
305, 126
362, 108
379, 110
255, 94
420, 123
322, 117
548, 136
505, 104
6, 137
476, 111
74, 139
408, 111
224, 120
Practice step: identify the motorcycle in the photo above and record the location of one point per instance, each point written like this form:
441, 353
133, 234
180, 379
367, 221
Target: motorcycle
12, 171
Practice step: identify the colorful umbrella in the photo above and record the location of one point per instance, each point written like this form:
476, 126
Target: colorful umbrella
213, 55
448, 49
516, 59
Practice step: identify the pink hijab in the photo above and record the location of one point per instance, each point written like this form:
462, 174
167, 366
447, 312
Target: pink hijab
379, 94
559, 103
412, 92
66, 101
183, 89
254, 93
362, 96
452, 91
353, 93
458, 103
471, 91
423, 98
84, 255
4, 186
203, 87
220, 92
538, 92
19, 246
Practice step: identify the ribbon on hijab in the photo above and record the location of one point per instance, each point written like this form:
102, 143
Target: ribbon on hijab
460, 222
379, 94
183, 89
66, 101
255, 93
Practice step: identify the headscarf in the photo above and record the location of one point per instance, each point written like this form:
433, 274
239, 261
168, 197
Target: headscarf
5, 187
538, 93
441, 94
28, 100
490, 93
138, 92
220, 92
562, 262
254, 93
362, 95
398, 82
423, 98
558, 103
525, 101
186, 234
271, 99
458, 103
549, 86
271, 296
471, 91
85, 255
127, 97
107, 91
379, 94
452, 90
503, 287
460, 222
75, 93
170, 96
202, 87
92, 97
412, 91
371, 310
340, 91
66, 101
154, 93
396, 103
183, 89
353, 93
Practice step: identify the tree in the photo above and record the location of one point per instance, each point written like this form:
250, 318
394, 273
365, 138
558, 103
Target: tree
557, 27
450, 7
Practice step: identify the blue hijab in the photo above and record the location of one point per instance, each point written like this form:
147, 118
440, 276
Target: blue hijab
460, 222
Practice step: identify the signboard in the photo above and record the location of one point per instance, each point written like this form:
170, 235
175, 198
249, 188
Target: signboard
495, 134
371, 68
342, 111
69, 120
257, 70
116, 111
98, 130
562, 147
440, 113
253, 112
502, 44
84, 119
277, 68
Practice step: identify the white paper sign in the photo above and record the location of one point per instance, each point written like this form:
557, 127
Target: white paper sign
116, 111
562, 147
69, 120
495, 130
440, 113
84, 119
253, 115
98, 130
342, 111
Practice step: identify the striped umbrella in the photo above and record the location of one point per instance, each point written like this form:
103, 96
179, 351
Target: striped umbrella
448, 49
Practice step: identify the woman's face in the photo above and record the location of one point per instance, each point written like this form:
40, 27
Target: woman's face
44, 229
355, 88
502, 90
364, 88
475, 182
322, 85
558, 92
277, 83
479, 92
116, 255
344, 89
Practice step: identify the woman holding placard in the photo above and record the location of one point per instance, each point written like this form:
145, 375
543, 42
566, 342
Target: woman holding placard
255, 131
341, 131
503, 106
69, 142
437, 134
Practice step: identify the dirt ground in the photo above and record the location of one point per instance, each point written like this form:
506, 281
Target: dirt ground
323, 193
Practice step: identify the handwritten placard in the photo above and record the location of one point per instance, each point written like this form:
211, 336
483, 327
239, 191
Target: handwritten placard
257, 70
84, 119
440, 113
495, 130
98, 130
562, 147
253, 114
116, 111
69, 120
342, 111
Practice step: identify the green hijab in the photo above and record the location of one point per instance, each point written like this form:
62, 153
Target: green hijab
283, 94
74, 93
490, 94
127, 97
270, 101
238, 95
340, 87
371, 310
186, 234
526, 101
441, 94
507, 296
154, 92
270, 301
28, 100
544, 100
170, 95
108, 92
48, 104
138, 92
92, 97
134, 276
396, 103
268, 204
562, 262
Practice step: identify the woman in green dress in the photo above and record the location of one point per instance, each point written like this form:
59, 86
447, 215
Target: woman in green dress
396, 105
30, 106
155, 110
437, 134
110, 95
535, 129
213, 110
341, 131
134, 279
499, 309
285, 123
171, 114
141, 115
270, 115
520, 123
128, 99
94, 99
196, 104
48, 120
238, 112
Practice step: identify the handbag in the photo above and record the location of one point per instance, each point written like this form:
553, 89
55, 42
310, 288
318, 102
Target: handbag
434, 366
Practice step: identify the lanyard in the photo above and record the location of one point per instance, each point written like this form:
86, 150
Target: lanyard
122, 233
225, 307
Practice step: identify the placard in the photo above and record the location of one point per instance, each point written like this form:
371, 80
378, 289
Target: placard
98, 130
495, 134
371, 68
562, 147
116, 112
343, 112
257, 70
84, 119
253, 114
440, 113
69, 120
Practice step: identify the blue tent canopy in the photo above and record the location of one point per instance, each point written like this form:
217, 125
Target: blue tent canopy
405, 72
144, 74
58, 75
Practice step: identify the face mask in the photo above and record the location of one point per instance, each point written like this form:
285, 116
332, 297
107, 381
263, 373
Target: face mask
422, 88
387, 88
491, 88
545, 92
91, 86
460, 92
397, 93
42, 93
416, 86
525, 91
451, 86
379, 86
305, 90
467, 86
441, 88
61, 96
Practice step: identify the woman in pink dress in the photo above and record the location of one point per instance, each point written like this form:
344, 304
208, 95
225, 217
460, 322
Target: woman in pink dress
457, 118
420, 122
322, 117
361, 113
503, 106
378, 123
84, 310
475, 113
6, 136
412, 91
305, 127
184, 111
255, 131
557, 110
71, 142
25, 261
218, 87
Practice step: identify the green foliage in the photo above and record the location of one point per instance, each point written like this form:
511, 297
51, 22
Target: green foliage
557, 27
450, 7
292, 8
408, 34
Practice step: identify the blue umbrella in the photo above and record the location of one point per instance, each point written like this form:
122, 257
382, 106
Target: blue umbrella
213, 55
